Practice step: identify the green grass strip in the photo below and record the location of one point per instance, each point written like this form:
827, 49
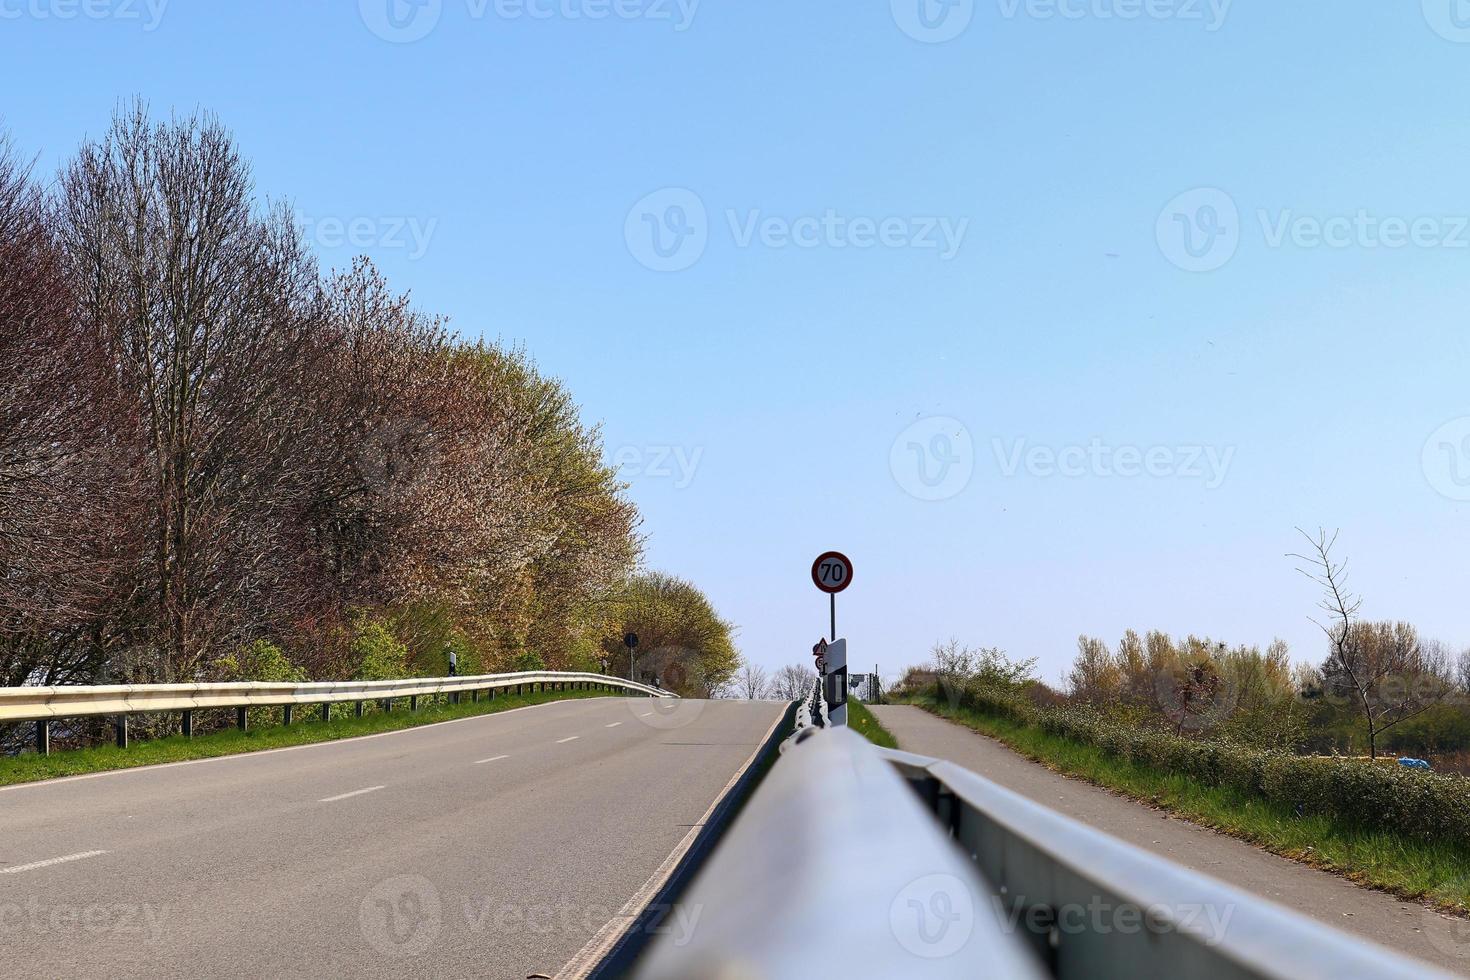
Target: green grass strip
862, 721
1432, 872
307, 729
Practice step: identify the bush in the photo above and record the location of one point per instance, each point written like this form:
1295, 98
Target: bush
377, 653
528, 660
1426, 806
261, 661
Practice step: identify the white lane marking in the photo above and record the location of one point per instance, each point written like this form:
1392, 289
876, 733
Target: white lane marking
356, 792
645, 714
50, 861
613, 725
562, 741
62, 780
493, 758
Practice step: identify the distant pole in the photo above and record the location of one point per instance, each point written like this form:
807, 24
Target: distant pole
833, 597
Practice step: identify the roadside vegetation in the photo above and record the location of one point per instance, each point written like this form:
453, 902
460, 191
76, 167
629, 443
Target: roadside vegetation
266, 733
219, 461
862, 721
1298, 758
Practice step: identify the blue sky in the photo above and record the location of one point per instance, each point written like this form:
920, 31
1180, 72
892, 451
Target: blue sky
1058, 325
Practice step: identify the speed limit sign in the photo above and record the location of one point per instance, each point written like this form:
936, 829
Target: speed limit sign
832, 572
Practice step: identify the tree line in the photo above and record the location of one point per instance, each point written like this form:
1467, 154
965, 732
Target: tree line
217, 459
1378, 686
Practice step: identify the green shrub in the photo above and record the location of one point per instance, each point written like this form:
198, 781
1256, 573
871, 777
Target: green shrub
260, 661
528, 660
378, 654
1426, 806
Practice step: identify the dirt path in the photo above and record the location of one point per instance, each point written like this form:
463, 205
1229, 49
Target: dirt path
1391, 922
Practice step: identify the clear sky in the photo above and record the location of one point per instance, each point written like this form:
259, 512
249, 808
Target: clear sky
1056, 316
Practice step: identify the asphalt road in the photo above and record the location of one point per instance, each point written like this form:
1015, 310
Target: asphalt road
494, 846
1403, 926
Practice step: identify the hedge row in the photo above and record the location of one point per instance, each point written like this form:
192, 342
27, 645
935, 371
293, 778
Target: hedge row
1423, 805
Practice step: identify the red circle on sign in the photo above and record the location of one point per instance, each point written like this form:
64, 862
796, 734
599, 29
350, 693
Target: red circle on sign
832, 572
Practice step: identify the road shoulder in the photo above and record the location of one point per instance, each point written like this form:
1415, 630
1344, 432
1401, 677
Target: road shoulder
1377, 916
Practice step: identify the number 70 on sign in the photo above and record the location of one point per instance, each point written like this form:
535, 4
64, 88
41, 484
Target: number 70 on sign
832, 572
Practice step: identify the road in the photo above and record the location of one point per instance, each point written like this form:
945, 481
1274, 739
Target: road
1402, 926
494, 846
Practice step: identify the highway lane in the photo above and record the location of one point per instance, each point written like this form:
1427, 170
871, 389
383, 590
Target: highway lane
1405, 927
493, 846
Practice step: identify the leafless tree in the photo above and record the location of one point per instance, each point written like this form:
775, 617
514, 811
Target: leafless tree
64, 440
751, 682
792, 682
204, 304
1381, 668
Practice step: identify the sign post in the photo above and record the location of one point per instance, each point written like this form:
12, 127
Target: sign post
832, 573
630, 640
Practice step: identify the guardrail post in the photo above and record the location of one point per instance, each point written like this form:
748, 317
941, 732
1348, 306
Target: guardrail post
413, 702
122, 731
454, 698
188, 723
327, 712
387, 706
242, 719
358, 705
474, 697
43, 737
286, 714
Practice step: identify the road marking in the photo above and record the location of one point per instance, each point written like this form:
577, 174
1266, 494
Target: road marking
613, 725
645, 714
47, 863
493, 758
356, 792
562, 741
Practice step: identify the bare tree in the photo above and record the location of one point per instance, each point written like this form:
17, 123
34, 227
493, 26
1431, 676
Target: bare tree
204, 304
751, 681
792, 683
1381, 668
64, 440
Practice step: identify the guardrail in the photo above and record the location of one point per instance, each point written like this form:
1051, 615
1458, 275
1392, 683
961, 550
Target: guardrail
857, 874
811, 715
44, 704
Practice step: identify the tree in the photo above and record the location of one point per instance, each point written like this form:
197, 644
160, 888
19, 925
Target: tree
67, 533
1380, 668
751, 682
1095, 676
205, 307
681, 638
792, 683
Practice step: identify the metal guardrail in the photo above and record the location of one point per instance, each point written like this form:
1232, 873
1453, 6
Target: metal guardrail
811, 715
835, 867
43, 704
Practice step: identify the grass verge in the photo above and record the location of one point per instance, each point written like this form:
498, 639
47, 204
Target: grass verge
1431, 872
862, 721
31, 767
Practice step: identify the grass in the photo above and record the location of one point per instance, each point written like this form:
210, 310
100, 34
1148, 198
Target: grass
862, 721
1431, 872
305, 731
